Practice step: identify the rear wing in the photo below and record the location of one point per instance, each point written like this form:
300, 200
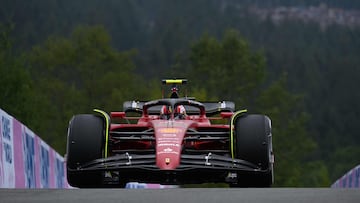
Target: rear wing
133, 106
211, 108
175, 83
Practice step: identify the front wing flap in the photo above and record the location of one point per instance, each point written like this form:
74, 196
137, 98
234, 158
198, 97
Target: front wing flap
148, 162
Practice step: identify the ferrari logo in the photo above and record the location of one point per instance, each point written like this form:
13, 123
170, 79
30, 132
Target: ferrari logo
167, 160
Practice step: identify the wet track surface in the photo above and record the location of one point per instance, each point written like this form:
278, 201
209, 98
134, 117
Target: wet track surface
206, 195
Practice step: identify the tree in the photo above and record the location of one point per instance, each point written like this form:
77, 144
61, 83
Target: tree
230, 70
16, 93
77, 74
294, 147
227, 69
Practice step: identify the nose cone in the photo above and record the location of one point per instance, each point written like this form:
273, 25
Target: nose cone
169, 138
168, 159
168, 147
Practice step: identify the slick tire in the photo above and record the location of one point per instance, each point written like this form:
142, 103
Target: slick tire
253, 143
85, 143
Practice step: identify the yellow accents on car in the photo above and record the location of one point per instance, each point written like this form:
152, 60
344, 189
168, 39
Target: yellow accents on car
236, 114
107, 122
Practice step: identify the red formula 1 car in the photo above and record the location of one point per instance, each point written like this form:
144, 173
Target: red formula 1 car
171, 141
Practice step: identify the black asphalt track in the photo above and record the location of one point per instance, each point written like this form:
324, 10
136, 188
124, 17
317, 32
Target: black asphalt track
179, 195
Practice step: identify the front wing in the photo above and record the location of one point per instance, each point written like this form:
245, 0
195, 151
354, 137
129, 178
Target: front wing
192, 169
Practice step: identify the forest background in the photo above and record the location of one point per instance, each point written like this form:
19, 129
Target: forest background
294, 60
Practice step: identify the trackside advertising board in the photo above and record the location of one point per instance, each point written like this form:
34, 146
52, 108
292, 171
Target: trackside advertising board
350, 180
26, 161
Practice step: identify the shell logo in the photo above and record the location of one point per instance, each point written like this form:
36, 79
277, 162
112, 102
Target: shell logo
169, 130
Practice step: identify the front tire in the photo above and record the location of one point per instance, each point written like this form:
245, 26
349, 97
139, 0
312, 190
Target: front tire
253, 143
85, 143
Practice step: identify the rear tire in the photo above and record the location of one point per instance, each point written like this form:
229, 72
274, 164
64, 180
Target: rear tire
253, 143
85, 143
